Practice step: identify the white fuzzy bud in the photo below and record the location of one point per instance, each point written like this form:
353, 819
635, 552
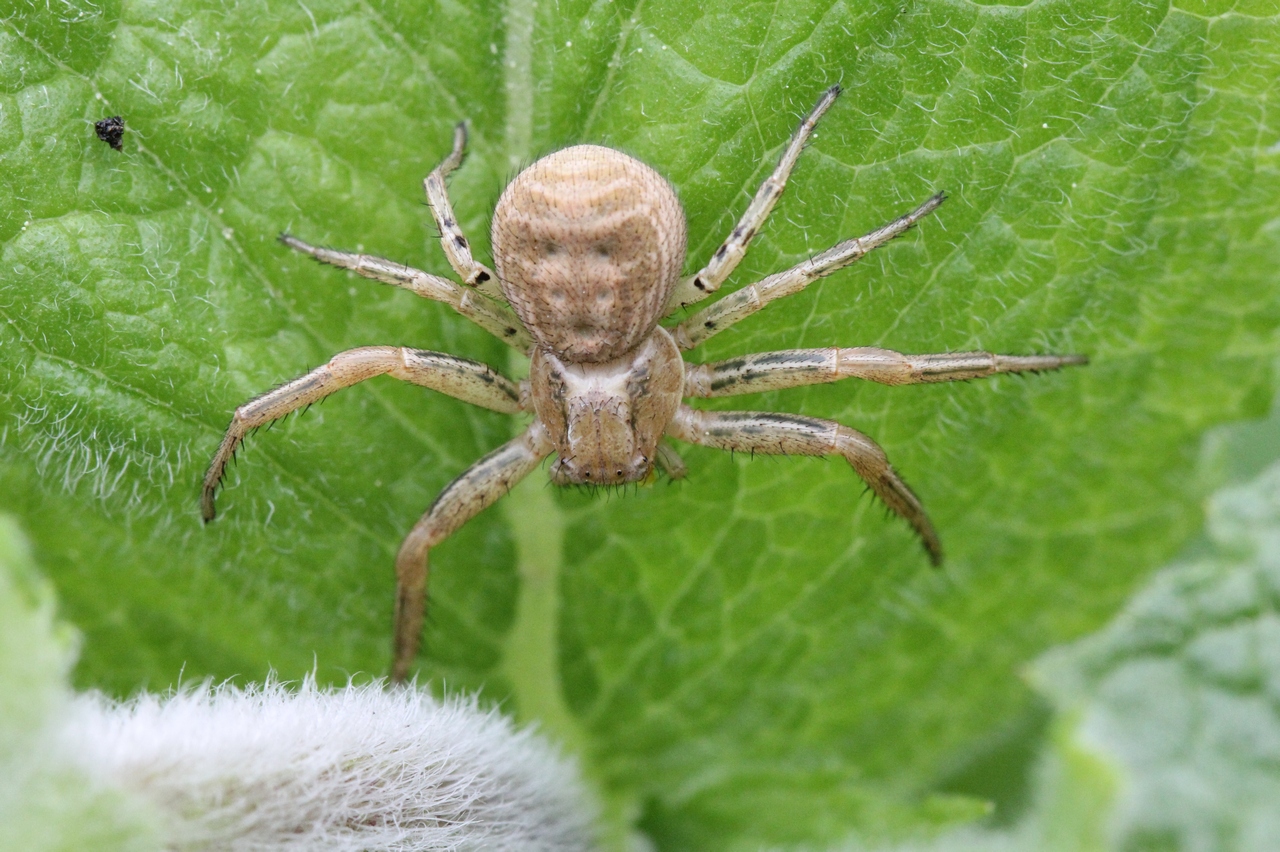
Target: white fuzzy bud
360, 768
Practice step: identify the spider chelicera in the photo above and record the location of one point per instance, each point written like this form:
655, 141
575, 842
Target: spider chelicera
588, 245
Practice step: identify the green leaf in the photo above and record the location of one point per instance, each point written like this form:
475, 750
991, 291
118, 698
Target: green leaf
721, 650
45, 806
1181, 694
33, 656
1167, 733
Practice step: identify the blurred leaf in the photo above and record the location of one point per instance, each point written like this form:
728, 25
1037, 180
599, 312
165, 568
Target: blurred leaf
1167, 731
33, 657
1181, 694
711, 647
45, 807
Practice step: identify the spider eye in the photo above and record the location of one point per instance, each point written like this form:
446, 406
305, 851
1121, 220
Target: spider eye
604, 250
550, 249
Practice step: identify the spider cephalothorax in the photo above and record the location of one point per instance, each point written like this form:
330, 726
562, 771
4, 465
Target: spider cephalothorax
588, 244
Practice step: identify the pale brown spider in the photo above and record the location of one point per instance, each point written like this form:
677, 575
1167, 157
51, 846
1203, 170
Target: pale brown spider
589, 244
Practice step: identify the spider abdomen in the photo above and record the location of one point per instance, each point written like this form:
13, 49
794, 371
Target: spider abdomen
588, 244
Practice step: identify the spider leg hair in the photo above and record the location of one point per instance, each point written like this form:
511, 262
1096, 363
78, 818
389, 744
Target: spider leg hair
790, 434
741, 304
496, 319
479, 487
469, 381
766, 371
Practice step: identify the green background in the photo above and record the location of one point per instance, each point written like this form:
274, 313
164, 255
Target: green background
754, 655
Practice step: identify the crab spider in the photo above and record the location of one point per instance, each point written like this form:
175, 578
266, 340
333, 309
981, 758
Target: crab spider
588, 246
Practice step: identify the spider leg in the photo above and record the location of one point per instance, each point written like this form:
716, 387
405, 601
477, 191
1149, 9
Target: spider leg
479, 487
790, 434
741, 304
456, 247
707, 280
764, 371
469, 381
498, 320
670, 462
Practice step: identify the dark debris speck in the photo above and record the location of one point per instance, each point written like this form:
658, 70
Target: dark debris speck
111, 131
